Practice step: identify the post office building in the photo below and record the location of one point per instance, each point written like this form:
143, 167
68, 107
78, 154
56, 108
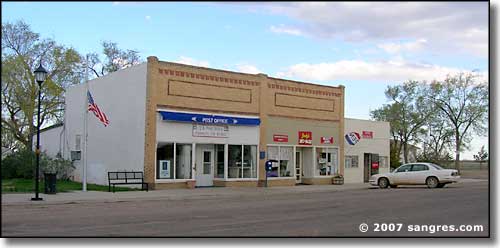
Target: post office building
188, 126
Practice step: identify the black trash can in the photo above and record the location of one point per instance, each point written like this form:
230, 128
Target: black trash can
50, 183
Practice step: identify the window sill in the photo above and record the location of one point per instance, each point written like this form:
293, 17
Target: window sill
235, 179
279, 178
173, 180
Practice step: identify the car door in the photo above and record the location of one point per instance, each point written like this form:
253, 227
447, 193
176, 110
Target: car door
401, 174
418, 174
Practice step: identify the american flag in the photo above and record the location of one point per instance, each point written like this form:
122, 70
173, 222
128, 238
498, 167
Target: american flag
95, 109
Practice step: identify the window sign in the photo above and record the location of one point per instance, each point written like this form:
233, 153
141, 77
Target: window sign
164, 168
326, 140
367, 135
305, 138
280, 138
216, 131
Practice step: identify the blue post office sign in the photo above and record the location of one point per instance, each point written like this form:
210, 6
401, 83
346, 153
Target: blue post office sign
208, 119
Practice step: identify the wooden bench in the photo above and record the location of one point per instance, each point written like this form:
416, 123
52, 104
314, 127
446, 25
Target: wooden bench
126, 177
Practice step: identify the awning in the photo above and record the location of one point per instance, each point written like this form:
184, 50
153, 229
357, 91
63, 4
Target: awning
208, 119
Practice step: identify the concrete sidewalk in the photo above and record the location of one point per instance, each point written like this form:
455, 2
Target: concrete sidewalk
187, 194
171, 194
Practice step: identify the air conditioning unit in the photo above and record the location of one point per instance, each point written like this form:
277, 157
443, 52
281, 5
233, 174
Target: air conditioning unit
76, 155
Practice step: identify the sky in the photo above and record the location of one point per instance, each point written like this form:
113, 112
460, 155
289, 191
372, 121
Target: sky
364, 46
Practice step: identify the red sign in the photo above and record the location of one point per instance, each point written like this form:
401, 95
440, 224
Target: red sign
375, 165
367, 135
280, 138
326, 140
305, 138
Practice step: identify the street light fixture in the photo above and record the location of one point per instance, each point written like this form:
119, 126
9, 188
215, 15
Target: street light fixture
40, 76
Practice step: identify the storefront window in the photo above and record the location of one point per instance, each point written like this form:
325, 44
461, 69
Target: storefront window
242, 161
219, 161
327, 161
286, 161
183, 161
351, 161
165, 161
284, 156
234, 161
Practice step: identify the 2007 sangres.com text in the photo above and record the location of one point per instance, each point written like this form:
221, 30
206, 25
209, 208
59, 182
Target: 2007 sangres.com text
397, 227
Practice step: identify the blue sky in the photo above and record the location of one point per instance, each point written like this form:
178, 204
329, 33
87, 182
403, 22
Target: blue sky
364, 46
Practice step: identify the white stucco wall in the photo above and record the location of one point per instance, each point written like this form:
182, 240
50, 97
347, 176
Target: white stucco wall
119, 146
379, 144
51, 141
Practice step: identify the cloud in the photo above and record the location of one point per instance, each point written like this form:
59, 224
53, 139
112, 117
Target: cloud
190, 61
395, 48
148, 18
451, 26
397, 70
246, 68
282, 29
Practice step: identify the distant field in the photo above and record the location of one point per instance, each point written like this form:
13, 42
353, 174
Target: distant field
476, 174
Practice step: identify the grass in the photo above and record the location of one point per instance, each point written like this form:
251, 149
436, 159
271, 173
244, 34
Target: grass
20, 185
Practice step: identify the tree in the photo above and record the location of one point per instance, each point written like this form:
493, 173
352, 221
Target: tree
22, 52
114, 59
481, 156
465, 104
436, 139
407, 114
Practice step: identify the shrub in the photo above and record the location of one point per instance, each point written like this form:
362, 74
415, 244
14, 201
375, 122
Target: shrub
62, 167
20, 164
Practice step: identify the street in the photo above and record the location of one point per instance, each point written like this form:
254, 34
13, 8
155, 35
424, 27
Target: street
296, 214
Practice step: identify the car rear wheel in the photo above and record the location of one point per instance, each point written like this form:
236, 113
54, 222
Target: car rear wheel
432, 182
383, 183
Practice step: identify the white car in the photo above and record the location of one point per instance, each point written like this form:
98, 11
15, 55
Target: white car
428, 174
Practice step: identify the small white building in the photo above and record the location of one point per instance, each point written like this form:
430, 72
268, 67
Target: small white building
369, 153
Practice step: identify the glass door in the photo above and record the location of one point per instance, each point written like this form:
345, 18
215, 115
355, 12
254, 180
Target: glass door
205, 165
298, 167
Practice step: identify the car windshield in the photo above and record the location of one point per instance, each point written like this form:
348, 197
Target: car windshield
437, 167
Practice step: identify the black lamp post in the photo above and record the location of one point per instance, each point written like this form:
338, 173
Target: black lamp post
40, 76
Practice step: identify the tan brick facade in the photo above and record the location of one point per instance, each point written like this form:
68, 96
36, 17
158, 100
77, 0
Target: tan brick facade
183, 87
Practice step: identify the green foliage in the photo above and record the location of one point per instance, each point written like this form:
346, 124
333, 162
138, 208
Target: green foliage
22, 164
464, 101
22, 52
406, 113
19, 165
482, 155
394, 153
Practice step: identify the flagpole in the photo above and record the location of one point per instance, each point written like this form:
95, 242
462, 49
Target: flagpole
85, 128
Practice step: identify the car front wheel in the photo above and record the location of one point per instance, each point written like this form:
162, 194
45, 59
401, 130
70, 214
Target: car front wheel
432, 182
383, 183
